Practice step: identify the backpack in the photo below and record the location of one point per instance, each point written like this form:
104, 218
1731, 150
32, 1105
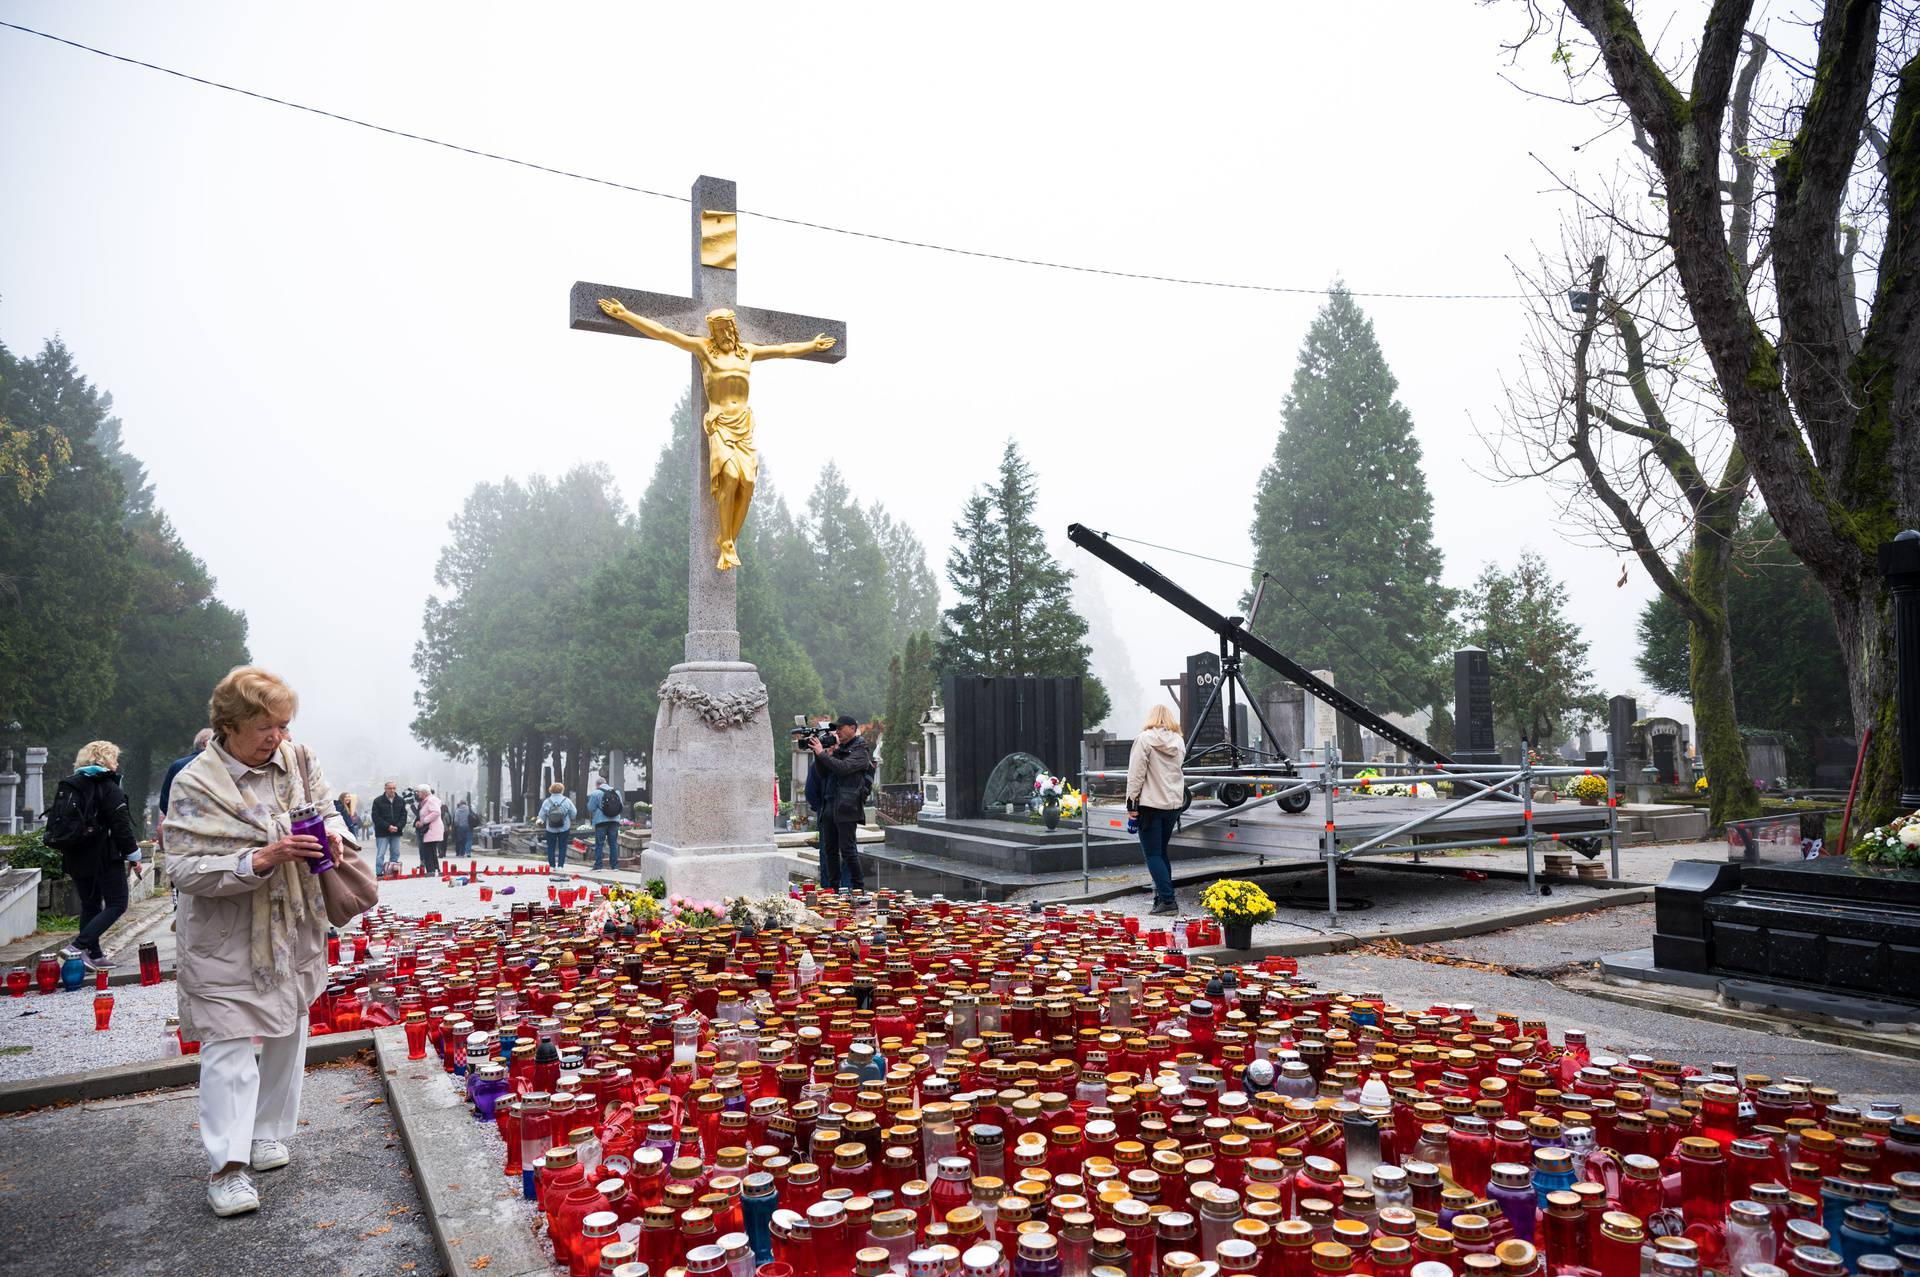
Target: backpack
72, 824
610, 805
555, 809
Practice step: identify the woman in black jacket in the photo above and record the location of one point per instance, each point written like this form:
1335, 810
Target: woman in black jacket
99, 870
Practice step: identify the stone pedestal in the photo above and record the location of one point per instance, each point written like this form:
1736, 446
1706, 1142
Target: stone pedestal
33, 797
9, 802
712, 785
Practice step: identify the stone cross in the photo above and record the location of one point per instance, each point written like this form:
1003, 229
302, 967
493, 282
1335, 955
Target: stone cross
713, 739
712, 611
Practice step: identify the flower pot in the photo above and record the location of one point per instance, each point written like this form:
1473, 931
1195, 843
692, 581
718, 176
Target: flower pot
1589, 802
1239, 935
1052, 817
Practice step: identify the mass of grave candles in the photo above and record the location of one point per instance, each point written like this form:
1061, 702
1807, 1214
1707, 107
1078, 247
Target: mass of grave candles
878, 1084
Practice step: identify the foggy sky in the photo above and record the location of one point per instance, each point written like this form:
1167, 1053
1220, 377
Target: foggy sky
320, 337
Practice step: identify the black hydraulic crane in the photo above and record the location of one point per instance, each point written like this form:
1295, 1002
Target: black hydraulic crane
1235, 638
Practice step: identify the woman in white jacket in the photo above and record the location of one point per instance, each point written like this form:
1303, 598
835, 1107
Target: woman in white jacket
1156, 792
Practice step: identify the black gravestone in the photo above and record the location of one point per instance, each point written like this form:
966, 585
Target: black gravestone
991, 717
1473, 707
1203, 682
1622, 713
1900, 565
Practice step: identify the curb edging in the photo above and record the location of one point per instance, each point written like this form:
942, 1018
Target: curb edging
151, 1075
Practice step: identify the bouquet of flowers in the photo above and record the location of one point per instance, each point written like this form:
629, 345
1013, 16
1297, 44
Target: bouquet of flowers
1234, 900
1056, 791
1369, 783
1895, 844
1588, 786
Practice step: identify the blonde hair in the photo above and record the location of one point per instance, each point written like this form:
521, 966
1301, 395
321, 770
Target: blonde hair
1162, 717
351, 803
556, 788
98, 753
246, 693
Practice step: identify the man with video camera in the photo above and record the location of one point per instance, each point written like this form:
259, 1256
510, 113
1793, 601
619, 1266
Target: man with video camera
849, 767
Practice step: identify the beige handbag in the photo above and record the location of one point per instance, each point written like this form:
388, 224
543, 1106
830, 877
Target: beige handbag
349, 887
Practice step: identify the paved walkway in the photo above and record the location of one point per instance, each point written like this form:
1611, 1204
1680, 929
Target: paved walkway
118, 1186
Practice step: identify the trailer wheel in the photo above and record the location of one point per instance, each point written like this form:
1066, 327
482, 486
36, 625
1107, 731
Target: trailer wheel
1294, 804
1232, 794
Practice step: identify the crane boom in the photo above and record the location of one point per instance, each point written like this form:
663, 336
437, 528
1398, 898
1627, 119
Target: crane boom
1231, 629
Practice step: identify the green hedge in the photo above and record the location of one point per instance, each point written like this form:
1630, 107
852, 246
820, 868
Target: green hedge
28, 851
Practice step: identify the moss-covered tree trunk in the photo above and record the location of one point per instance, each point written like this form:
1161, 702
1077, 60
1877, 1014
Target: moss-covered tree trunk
1710, 668
1863, 620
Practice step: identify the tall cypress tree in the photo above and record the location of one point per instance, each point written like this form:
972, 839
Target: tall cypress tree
1343, 519
1015, 612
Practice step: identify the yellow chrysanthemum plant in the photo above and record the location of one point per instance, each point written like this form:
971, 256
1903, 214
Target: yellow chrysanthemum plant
1233, 900
1587, 786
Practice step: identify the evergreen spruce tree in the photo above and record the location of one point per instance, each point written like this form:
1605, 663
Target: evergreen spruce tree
1014, 613
1542, 685
1343, 519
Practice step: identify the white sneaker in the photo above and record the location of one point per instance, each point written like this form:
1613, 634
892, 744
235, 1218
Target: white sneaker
268, 1155
232, 1193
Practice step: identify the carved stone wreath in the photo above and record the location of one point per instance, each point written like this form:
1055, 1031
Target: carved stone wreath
729, 709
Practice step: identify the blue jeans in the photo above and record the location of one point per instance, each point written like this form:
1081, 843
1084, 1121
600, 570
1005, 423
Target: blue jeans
608, 830
557, 848
386, 852
1156, 831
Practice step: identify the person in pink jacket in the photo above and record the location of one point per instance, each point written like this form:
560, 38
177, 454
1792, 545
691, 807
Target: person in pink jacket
430, 823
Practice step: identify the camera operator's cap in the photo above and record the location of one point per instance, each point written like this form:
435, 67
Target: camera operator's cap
847, 720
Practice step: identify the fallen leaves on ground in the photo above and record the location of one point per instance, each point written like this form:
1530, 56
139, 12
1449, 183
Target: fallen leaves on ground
482, 1261
384, 1228
326, 1223
1414, 953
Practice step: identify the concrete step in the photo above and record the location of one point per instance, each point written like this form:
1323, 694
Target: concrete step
1678, 825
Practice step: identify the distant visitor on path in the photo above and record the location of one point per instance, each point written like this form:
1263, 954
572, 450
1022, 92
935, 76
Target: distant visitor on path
557, 815
1156, 792
252, 925
89, 825
604, 806
430, 823
389, 822
462, 828
726, 370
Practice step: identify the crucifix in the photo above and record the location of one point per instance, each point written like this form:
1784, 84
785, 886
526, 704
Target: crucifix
725, 340
713, 738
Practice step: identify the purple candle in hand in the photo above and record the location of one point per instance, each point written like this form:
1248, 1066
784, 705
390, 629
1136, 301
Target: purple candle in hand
309, 820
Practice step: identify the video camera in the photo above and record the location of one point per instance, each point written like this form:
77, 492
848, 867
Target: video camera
802, 729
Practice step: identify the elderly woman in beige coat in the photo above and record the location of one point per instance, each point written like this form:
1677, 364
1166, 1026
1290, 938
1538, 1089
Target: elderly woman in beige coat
252, 926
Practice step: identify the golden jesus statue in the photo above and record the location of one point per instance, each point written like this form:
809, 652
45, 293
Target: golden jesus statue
726, 366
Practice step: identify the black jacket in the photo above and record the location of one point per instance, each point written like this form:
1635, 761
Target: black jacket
108, 802
390, 811
849, 768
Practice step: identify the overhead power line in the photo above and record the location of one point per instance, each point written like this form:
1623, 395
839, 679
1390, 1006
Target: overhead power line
903, 241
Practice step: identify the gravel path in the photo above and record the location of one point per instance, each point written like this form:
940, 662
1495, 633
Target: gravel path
43, 1036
